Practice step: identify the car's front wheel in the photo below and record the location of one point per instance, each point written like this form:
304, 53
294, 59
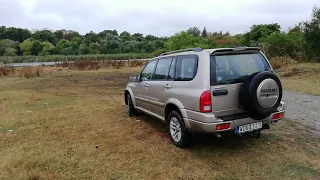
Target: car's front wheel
131, 109
177, 130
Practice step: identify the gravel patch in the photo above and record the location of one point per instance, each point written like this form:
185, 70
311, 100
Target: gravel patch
303, 108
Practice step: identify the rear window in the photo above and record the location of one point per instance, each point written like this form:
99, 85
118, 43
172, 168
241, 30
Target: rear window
235, 68
186, 67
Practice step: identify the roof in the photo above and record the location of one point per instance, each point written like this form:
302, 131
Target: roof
198, 50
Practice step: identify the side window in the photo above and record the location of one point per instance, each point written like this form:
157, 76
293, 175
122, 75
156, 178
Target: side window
162, 69
147, 72
172, 68
186, 67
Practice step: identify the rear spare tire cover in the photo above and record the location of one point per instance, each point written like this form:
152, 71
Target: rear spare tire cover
260, 94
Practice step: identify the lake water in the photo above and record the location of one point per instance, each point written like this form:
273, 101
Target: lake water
32, 64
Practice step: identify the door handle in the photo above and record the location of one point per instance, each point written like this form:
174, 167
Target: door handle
220, 92
167, 86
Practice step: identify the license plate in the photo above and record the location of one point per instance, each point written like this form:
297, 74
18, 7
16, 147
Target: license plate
248, 127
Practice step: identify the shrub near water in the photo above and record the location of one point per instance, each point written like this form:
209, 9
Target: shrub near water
95, 65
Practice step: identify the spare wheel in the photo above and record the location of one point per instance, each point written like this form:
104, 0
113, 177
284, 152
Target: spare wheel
260, 94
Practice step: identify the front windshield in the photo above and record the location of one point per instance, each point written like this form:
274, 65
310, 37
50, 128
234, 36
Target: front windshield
235, 68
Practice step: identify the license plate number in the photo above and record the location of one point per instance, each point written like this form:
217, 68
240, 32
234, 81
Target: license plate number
249, 127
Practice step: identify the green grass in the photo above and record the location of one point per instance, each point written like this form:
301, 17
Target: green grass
84, 133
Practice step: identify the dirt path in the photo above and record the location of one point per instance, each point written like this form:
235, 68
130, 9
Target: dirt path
303, 108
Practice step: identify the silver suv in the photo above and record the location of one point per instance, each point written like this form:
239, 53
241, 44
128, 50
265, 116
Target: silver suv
208, 91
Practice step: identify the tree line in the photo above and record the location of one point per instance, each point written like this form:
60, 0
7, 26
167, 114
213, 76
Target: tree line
302, 42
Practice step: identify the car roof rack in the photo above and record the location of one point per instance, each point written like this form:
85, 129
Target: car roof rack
183, 50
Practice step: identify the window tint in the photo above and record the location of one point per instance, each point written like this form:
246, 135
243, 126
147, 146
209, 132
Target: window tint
172, 68
186, 67
228, 69
148, 71
162, 69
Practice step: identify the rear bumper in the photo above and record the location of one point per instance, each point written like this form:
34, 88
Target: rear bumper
200, 127
196, 126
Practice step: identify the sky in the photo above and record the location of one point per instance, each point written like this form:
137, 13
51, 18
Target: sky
156, 17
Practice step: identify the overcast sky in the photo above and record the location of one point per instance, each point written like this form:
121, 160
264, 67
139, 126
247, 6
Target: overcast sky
156, 17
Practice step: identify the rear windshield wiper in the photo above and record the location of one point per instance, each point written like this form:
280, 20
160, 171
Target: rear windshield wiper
235, 80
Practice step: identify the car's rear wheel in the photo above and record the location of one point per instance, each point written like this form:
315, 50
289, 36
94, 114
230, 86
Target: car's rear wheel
131, 109
177, 130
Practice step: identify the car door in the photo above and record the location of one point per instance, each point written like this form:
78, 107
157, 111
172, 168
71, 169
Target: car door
160, 85
142, 88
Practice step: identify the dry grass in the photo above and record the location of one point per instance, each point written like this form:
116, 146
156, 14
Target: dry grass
279, 62
301, 77
74, 125
26, 72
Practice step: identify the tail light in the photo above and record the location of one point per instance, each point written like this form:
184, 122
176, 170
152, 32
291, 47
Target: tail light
224, 126
205, 102
277, 116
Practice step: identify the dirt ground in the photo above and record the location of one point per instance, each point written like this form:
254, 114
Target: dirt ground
74, 125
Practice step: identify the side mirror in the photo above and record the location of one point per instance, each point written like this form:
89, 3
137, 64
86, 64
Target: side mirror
138, 78
134, 79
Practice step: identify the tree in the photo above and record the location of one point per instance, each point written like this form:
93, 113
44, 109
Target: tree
125, 33
131, 47
183, 40
137, 35
94, 48
93, 37
36, 47
258, 32
83, 49
312, 35
69, 35
105, 32
47, 49
16, 34
77, 40
150, 38
45, 35
204, 33
10, 52
64, 47
2, 29
59, 35
111, 44
26, 46
194, 31
7, 43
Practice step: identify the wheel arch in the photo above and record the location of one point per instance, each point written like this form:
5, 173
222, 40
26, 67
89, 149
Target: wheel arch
174, 104
126, 92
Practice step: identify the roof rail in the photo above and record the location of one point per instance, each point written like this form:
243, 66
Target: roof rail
245, 48
183, 50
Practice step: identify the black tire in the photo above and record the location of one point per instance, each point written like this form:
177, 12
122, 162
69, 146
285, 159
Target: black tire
184, 138
248, 95
131, 110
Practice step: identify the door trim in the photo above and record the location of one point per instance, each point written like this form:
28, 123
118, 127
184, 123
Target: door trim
157, 103
142, 99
